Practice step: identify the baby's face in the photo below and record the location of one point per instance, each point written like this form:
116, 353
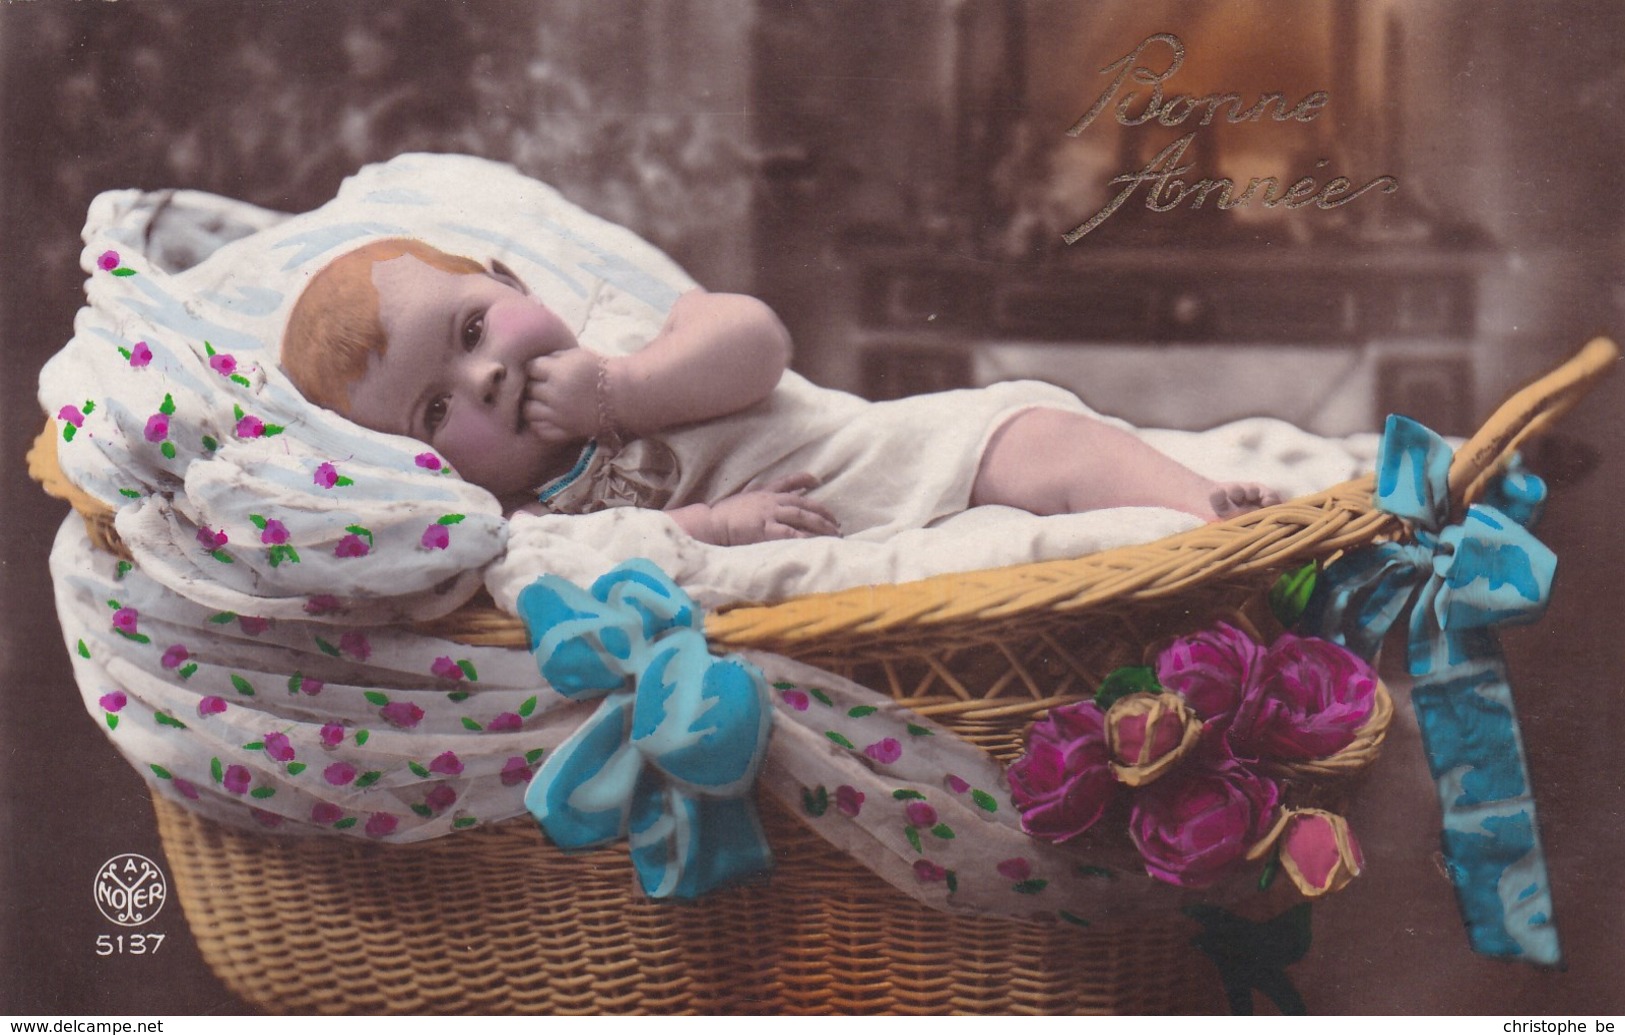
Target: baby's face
454, 373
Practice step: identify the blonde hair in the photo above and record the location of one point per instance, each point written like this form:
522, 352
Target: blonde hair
335, 330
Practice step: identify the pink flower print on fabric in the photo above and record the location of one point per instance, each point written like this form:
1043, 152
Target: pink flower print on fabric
250, 426
446, 764
279, 747
210, 705
140, 354
427, 461
446, 668
515, 771
72, 415
381, 824
885, 751
322, 604
356, 645
326, 475
107, 261
507, 722
848, 799
310, 687
332, 735
340, 774
920, 814
125, 619
157, 428
275, 533
253, 626
404, 714
326, 813
175, 656
237, 779
223, 363
211, 539
928, 872
269, 820
441, 798
352, 545
1017, 869
114, 702
796, 699
957, 785
186, 788
436, 537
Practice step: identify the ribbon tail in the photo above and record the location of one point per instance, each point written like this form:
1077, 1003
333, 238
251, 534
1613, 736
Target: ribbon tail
1491, 841
582, 795
684, 845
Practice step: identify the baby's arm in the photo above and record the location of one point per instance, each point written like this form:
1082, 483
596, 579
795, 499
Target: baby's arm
779, 510
717, 354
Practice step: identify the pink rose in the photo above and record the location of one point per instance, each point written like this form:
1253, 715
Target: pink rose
210, 539
507, 722
72, 415
237, 778
310, 687
125, 619
356, 645
436, 537
279, 747
1064, 782
440, 798
140, 354
269, 820
446, 668
326, 475
428, 461
340, 774
920, 814
403, 714
175, 656
157, 427
1193, 828
250, 427
332, 735
848, 799
275, 533
446, 764
326, 813
796, 699
1148, 734
352, 545
253, 626
322, 604
1017, 869
928, 872
1212, 670
114, 702
1312, 696
186, 788
1318, 851
210, 705
885, 751
515, 771
381, 824
223, 363
956, 784
107, 261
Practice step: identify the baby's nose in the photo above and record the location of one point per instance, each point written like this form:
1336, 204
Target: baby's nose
488, 381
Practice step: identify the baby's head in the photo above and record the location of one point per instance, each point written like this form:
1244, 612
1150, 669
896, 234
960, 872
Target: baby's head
401, 337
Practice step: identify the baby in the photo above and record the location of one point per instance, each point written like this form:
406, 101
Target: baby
403, 338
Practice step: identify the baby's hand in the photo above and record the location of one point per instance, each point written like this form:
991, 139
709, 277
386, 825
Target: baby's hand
779, 510
561, 395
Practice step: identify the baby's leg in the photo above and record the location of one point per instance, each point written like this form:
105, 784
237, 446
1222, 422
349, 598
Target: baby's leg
1051, 461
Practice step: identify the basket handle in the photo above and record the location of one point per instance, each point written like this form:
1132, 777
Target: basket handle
1526, 414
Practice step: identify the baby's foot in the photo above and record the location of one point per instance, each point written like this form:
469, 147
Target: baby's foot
1232, 499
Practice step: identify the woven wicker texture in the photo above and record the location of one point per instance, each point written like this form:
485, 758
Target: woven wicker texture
496, 921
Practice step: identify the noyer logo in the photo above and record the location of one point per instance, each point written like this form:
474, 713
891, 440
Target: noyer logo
130, 889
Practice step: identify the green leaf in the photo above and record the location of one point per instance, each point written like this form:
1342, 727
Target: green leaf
1290, 594
123, 271
374, 697
861, 711
953, 882
326, 648
222, 556
242, 685
345, 824
534, 755
208, 348
272, 430
528, 707
237, 411
1030, 887
166, 719
361, 737
1130, 679
919, 731
68, 431
943, 831
168, 449
216, 770
210, 443
984, 801
782, 685
458, 695
360, 530
254, 745
89, 407
468, 670
124, 568
367, 779
464, 822
342, 479
1071, 918
129, 494
262, 793
815, 802
223, 617
423, 810
295, 768
837, 738
1272, 869
913, 836
1084, 870
418, 770
240, 379
188, 670
168, 406
821, 697
126, 353
161, 773
905, 794
448, 519
114, 604
134, 637
293, 682
112, 721
259, 521
470, 724
84, 652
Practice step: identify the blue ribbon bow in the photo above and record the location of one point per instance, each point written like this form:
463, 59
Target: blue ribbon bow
670, 756
1460, 581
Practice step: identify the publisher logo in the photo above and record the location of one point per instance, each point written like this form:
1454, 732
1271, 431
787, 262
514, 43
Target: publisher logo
130, 889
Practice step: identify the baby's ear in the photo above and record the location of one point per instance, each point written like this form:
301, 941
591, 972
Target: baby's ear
500, 271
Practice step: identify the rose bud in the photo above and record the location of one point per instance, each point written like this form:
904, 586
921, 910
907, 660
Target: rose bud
1148, 733
1212, 670
1064, 782
1317, 848
1193, 828
1312, 696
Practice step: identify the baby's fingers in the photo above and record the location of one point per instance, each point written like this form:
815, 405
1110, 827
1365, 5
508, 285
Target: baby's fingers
807, 516
798, 482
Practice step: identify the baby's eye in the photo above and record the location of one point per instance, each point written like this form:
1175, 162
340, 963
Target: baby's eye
434, 414
473, 330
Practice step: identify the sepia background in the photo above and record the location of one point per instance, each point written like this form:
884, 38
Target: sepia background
895, 179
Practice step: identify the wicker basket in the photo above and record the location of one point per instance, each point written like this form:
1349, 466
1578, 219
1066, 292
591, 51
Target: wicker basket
499, 921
